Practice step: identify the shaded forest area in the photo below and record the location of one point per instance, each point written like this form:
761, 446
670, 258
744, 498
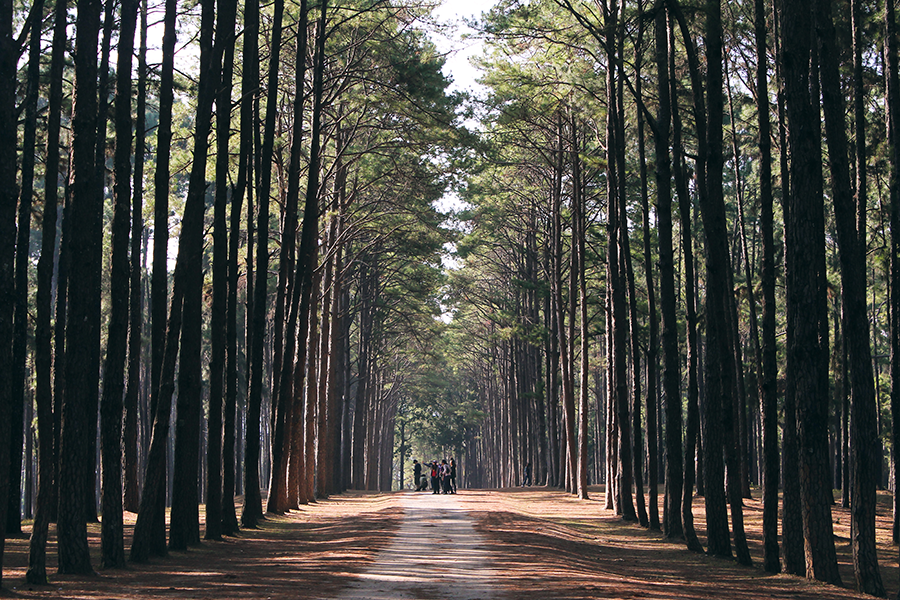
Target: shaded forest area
223, 258
221, 264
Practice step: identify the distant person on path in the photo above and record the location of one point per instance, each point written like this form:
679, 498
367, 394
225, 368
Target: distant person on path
435, 481
526, 480
452, 476
417, 475
445, 477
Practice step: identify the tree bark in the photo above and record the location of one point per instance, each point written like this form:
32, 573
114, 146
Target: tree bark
864, 453
8, 196
803, 251
893, 126
653, 326
23, 241
112, 544
672, 523
159, 294
77, 428
132, 499
214, 496
184, 528
768, 370
280, 498
252, 497
37, 556
692, 424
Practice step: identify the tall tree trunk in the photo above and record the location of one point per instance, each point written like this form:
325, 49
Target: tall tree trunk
252, 498
283, 389
159, 294
111, 405
653, 326
8, 195
23, 242
37, 556
768, 367
249, 90
720, 433
792, 520
578, 247
218, 327
743, 423
616, 282
184, 527
893, 122
803, 250
77, 428
132, 498
692, 425
864, 453
672, 523
95, 281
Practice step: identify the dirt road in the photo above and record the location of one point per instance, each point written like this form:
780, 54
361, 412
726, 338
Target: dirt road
436, 554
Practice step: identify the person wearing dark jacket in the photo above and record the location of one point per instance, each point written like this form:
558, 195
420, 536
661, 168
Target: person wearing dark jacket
435, 478
417, 475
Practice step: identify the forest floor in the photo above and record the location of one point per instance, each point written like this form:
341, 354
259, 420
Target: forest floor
504, 544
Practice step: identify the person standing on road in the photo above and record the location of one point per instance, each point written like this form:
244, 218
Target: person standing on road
452, 476
445, 477
417, 475
435, 480
526, 480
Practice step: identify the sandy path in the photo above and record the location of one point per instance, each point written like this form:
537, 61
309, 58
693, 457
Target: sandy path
436, 554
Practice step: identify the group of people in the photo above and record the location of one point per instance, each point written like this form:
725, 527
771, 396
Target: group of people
442, 476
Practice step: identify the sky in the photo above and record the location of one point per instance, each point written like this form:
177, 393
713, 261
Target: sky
460, 50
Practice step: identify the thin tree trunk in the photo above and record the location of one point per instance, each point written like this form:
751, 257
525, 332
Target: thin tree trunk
159, 278
768, 367
792, 521
864, 453
132, 498
23, 242
280, 498
249, 90
111, 405
218, 327
252, 497
578, 248
893, 122
8, 197
37, 556
653, 326
692, 425
672, 523
184, 527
